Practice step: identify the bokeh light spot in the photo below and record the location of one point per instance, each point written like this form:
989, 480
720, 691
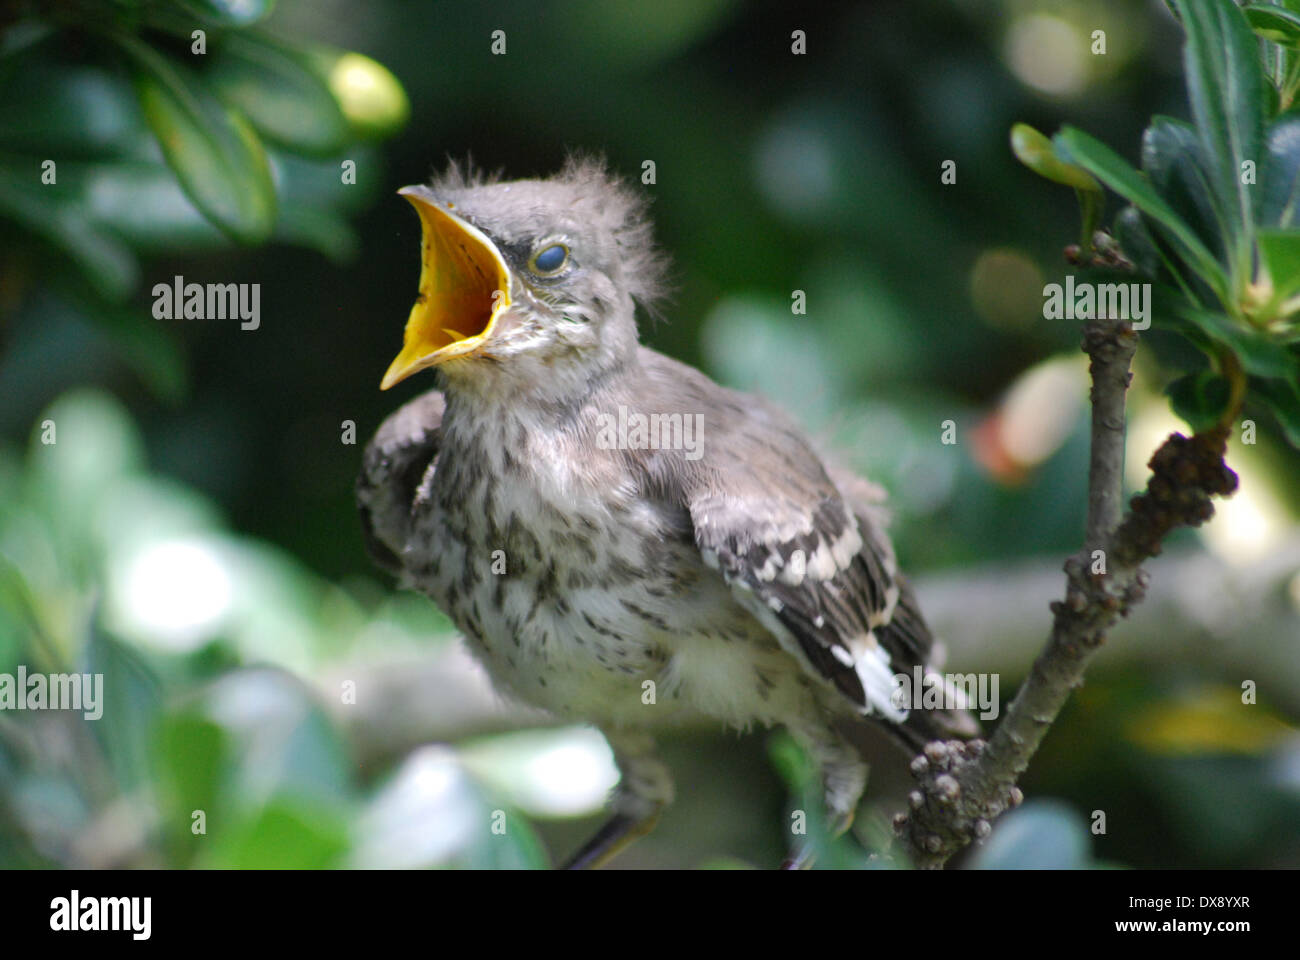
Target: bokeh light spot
1006, 288
175, 593
1047, 53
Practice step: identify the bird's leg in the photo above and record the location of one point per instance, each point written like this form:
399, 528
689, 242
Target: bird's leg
616, 834
844, 778
644, 789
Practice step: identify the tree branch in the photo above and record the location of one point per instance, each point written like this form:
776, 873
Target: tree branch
1111, 350
963, 787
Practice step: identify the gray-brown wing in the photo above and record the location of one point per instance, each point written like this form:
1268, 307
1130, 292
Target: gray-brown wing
396, 461
766, 515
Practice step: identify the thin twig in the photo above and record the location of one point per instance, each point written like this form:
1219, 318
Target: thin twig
963, 787
1111, 347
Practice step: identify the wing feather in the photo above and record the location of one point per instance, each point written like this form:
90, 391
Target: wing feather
819, 574
404, 449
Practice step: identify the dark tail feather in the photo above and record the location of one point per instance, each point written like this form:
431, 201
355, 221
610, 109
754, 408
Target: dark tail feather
909, 641
920, 728
923, 726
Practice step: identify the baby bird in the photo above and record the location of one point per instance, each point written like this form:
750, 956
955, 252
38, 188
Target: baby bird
621, 540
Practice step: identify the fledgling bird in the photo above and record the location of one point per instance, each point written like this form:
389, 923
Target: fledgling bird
742, 580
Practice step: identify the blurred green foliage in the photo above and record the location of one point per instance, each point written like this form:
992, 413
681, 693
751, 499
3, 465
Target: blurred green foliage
110, 569
129, 129
1212, 216
191, 533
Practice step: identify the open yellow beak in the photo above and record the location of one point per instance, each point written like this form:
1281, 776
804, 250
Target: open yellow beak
464, 287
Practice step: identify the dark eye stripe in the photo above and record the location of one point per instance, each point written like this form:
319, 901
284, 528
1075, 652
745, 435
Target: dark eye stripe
550, 259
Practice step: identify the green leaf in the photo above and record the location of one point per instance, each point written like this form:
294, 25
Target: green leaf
18, 38
830, 852
1039, 154
1279, 253
1273, 101
1259, 354
371, 98
143, 204
190, 758
289, 833
312, 206
1112, 170
107, 263
131, 700
321, 229
191, 751
107, 448
67, 111
150, 349
1283, 398
1279, 191
1199, 398
1172, 160
1226, 86
1041, 835
519, 849
1275, 24
285, 744
275, 87
1136, 242
230, 13
312, 182
217, 157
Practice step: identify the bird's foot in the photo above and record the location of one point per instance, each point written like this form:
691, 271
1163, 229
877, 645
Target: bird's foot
805, 856
617, 834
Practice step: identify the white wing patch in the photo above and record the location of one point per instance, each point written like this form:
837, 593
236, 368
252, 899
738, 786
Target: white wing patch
811, 578
879, 682
868, 659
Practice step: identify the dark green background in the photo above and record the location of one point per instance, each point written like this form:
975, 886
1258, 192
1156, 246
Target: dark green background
775, 172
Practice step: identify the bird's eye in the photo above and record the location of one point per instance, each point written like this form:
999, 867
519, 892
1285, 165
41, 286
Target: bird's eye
549, 260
